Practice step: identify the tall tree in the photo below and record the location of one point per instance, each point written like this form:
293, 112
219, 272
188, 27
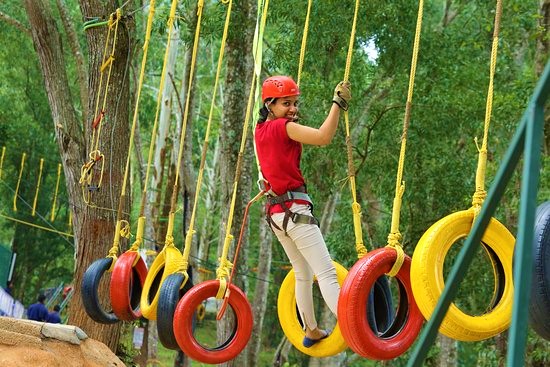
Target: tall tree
93, 226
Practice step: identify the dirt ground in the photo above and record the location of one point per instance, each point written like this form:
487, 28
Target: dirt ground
25, 343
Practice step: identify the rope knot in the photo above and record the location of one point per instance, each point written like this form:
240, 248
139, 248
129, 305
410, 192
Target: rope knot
224, 269
394, 239
361, 250
169, 240
125, 231
478, 199
356, 207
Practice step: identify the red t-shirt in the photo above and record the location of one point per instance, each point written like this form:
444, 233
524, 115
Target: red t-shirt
279, 158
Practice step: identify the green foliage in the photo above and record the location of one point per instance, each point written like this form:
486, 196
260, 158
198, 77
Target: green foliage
448, 113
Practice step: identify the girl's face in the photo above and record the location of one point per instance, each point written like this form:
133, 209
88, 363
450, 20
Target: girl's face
286, 107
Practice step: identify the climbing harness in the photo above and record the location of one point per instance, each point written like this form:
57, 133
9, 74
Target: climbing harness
299, 193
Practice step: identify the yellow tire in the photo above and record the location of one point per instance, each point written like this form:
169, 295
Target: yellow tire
290, 323
166, 263
427, 272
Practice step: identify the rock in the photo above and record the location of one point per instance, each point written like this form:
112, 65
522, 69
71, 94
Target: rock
25, 343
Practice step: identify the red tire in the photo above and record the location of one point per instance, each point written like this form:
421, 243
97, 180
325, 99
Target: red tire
183, 324
353, 303
126, 286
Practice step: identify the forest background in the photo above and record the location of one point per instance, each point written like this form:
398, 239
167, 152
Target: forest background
49, 82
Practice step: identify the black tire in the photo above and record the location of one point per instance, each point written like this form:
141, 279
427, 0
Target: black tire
90, 297
380, 313
169, 296
539, 307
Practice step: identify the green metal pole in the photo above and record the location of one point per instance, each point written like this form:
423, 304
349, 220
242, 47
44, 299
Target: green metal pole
523, 263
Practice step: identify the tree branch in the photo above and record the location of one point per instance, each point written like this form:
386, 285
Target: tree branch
82, 73
15, 23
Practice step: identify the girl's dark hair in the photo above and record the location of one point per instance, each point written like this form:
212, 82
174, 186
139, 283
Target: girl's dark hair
264, 111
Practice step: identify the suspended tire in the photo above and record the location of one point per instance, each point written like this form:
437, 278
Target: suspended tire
292, 325
539, 307
427, 271
171, 292
90, 296
167, 262
183, 324
127, 282
353, 306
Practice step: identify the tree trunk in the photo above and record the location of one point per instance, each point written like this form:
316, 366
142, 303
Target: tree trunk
238, 79
447, 351
93, 228
260, 294
211, 205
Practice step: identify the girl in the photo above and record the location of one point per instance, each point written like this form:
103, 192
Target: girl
279, 140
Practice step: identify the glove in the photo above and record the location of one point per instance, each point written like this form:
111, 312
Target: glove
342, 95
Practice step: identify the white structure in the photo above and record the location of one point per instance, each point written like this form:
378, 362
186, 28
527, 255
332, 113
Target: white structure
10, 307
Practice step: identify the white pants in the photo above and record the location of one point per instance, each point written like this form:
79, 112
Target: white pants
309, 256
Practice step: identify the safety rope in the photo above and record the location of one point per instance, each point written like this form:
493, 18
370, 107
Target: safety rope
169, 238
54, 203
119, 230
480, 193
35, 201
23, 157
304, 43
225, 265
355, 206
2, 160
170, 24
394, 238
86, 172
191, 231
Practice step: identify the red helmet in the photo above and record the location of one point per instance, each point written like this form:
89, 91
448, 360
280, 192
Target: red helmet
279, 86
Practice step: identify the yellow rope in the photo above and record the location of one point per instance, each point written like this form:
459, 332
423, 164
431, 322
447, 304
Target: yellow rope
169, 26
37, 187
480, 194
224, 267
355, 206
2, 160
394, 238
52, 216
191, 231
36, 226
304, 43
19, 181
95, 155
108, 63
122, 227
173, 205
